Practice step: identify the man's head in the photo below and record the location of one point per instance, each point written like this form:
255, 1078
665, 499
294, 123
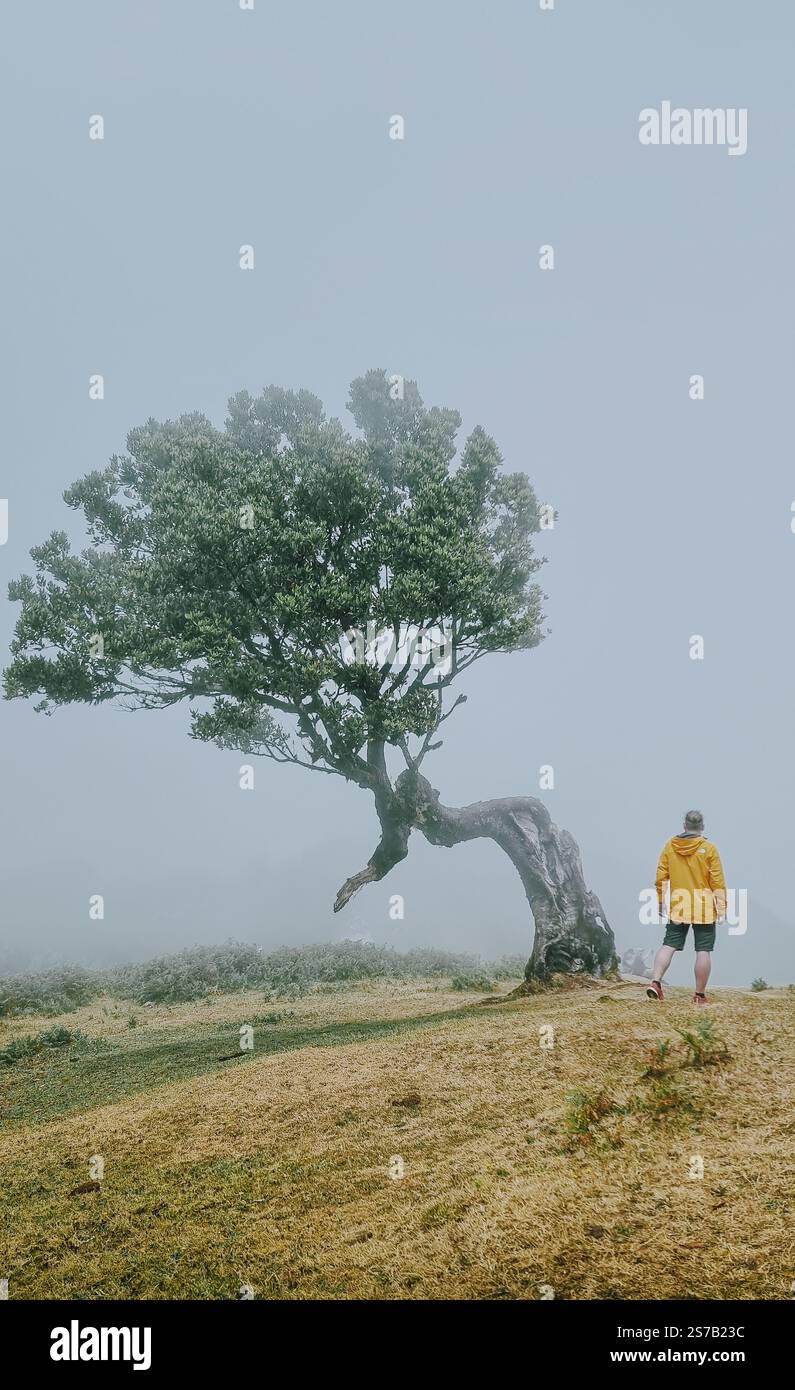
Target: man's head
694, 822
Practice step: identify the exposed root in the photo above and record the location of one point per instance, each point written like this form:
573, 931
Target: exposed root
556, 984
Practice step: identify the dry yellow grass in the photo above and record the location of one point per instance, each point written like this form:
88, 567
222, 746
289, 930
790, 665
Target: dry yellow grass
275, 1173
107, 1017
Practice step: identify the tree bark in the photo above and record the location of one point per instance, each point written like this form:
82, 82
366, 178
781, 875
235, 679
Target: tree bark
572, 935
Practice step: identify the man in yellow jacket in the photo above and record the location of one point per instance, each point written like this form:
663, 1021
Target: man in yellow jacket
691, 865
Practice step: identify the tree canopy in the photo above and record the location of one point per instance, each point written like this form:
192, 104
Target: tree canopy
226, 565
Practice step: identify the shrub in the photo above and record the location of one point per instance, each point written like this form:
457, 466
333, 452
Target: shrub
286, 973
50, 992
664, 1099
584, 1110
16, 1050
203, 971
759, 984
479, 982
661, 1059
60, 1037
55, 1038
704, 1046
189, 975
509, 968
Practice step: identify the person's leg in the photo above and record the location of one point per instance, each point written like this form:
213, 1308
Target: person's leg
662, 960
703, 967
704, 941
673, 941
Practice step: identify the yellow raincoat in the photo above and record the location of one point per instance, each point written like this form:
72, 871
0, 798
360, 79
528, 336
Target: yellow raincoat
691, 864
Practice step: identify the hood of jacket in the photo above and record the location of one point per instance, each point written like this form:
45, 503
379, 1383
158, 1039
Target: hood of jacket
688, 844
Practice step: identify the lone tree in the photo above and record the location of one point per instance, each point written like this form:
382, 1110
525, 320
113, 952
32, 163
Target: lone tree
227, 567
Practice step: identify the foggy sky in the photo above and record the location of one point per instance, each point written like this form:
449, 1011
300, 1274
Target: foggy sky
225, 127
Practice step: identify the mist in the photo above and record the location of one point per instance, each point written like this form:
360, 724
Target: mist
420, 255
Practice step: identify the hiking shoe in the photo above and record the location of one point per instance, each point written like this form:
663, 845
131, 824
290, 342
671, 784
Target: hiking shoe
699, 998
654, 990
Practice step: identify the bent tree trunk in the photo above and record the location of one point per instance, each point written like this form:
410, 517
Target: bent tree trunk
572, 935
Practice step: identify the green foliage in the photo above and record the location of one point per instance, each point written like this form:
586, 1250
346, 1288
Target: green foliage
703, 1044
287, 973
225, 566
664, 1099
759, 984
16, 1050
661, 1059
189, 975
56, 1037
59, 1036
508, 968
472, 981
584, 1110
58, 991
204, 971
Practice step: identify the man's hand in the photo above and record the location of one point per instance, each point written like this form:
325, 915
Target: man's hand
721, 907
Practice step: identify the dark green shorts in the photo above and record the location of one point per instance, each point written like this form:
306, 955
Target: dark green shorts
703, 937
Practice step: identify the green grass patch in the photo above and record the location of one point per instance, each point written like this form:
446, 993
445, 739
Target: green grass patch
47, 1083
56, 1038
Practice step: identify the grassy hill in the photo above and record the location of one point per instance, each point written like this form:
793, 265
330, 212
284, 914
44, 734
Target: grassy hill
574, 1167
